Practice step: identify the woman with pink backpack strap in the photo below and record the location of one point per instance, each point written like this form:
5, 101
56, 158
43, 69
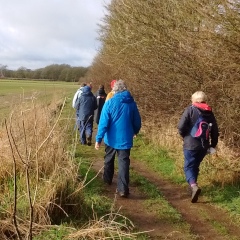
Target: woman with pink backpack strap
195, 146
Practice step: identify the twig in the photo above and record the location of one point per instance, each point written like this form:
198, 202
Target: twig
37, 163
28, 182
80, 188
15, 184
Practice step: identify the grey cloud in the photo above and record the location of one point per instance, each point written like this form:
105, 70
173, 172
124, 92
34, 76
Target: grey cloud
37, 33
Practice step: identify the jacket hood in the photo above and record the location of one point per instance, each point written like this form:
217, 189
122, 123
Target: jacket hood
202, 106
124, 96
86, 89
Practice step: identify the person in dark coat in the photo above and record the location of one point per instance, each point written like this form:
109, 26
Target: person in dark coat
85, 112
101, 98
195, 149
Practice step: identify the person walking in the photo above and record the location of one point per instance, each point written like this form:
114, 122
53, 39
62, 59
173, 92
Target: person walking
75, 102
85, 110
120, 121
110, 94
77, 95
101, 98
195, 148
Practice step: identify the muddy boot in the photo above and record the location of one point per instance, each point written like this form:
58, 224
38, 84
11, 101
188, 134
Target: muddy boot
106, 181
89, 140
122, 194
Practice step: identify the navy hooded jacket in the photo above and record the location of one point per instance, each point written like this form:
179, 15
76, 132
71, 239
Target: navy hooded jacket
101, 98
86, 105
187, 121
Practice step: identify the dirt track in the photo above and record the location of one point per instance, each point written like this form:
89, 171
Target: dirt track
201, 216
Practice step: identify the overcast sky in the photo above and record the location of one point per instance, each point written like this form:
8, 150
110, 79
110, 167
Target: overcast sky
37, 33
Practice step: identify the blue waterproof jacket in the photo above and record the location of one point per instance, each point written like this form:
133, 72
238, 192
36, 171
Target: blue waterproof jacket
86, 105
119, 122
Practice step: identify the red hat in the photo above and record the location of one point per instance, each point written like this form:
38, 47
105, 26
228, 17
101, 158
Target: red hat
112, 83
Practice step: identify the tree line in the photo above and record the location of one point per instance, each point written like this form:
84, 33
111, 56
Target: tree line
54, 72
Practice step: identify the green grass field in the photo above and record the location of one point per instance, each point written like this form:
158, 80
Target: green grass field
14, 92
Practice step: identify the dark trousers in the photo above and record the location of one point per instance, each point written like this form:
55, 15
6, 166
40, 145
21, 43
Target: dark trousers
85, 130
192, 160
123, 167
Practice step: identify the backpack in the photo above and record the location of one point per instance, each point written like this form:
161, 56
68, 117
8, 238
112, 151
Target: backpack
201, 129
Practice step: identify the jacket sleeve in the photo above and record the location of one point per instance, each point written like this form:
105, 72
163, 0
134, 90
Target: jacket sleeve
77, 103
74, 99
137, 122
184, 123
214, 133
95, 103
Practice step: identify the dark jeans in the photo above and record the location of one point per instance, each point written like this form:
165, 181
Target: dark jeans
85, 130
123, 167
192, 160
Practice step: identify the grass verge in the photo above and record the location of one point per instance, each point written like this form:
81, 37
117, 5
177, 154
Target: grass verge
225, 196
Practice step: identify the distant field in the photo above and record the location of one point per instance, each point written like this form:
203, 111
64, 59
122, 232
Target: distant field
13, 92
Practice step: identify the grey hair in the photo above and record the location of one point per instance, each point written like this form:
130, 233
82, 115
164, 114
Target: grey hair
119, 86
199, 97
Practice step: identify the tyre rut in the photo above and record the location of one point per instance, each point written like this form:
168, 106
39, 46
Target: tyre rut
201, 216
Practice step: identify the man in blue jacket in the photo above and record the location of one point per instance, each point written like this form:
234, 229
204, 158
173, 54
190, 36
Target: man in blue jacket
85, 110
120, 121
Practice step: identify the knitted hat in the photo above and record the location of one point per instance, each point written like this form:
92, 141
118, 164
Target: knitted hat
112, 83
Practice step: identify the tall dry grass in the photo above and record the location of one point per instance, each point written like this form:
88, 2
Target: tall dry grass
109, 226
37, 171
40, 185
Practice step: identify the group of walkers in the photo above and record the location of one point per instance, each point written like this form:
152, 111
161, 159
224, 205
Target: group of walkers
119, 121
88, 108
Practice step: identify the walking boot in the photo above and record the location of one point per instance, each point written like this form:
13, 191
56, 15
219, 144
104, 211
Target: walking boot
195, 193
89, 140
